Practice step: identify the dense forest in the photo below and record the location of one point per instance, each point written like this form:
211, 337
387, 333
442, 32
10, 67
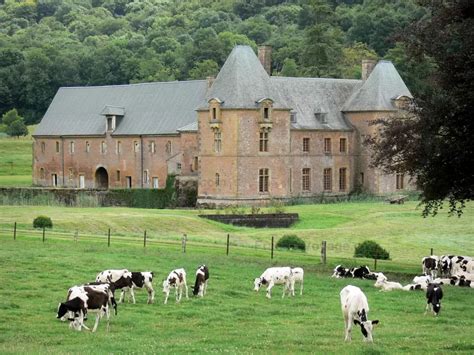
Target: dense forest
45, 44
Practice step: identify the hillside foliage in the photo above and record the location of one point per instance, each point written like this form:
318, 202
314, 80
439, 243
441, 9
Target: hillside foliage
46, 44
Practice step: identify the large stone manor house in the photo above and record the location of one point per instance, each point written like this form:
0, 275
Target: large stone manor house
244, 137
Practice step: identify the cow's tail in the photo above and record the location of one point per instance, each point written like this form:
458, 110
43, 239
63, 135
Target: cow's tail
196, 285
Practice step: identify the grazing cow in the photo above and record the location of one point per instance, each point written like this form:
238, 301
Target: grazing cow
84, 299
355, 309
275, 276
386, 285
355, 272
430, 265
140, 280
176, 279
121, 279
434, 294
298, 275
202, 277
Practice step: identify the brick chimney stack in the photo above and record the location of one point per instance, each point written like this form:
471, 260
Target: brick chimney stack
265, 57
367, 66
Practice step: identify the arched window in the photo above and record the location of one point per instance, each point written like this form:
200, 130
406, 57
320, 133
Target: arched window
218, 179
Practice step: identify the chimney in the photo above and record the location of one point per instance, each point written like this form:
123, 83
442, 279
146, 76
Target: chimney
367, 66
265, 57
210, 81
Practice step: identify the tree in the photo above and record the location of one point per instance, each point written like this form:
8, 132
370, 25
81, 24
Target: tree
433, 142
11, 116
17, 128
204, 69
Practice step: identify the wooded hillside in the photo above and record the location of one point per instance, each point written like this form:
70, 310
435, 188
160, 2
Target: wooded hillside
45, 44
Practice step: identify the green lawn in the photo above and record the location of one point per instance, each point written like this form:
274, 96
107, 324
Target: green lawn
231, 318
16, 160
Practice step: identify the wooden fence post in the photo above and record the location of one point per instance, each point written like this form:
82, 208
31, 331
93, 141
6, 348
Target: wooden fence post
228, 240
144, 239
431, 251
375, 264
108, 238
183, 242
323, 252
43, 235
272, 245
14, 231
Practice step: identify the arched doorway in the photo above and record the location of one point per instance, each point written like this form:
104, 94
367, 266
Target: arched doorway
101, 179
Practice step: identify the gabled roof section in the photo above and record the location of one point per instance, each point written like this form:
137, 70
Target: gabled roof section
377, 92
149, 108
113, 111
309, 96
242, 81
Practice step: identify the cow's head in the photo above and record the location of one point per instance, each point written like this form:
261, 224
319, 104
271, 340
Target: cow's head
166, 286
367, 328
337, 271
436, 308
62, 310
258, 282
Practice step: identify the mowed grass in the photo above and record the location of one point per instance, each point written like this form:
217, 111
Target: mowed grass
16, 160
231, 318
398, 228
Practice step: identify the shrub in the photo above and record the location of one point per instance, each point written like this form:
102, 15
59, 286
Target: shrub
42, 222
291, 242
370, 249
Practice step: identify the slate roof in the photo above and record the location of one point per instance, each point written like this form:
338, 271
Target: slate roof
307, 96
113, 110
382, 86
242, 81
150, 108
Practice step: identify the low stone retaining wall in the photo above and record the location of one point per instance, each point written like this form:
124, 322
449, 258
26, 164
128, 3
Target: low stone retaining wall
268, 220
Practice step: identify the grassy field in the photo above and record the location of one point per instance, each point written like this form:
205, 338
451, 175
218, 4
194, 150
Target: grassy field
16, 160
232, 318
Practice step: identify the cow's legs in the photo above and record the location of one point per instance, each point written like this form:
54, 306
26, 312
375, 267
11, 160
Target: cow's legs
205, 286
166, 297
427, 307
132, 294
97, 318
107, 315
269, 289
348, 326
122, 295
301, 288
186, 288
178, 293
151, 293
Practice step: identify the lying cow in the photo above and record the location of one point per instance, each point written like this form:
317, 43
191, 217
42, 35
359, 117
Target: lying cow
355, 309
430, 265
355, 272
385, 285
434, 294
177, 280
202, 277
84, 299
298, 276
459, 264
275, 276
121, 279
140, 280
457, 280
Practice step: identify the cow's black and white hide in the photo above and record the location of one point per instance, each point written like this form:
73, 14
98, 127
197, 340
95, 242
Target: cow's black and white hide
276, 276
84, 299
120, 279
429, 265
445, 265
341, 271
177, 280
140, 280
459, 264
202, 278
360, 272
434, 294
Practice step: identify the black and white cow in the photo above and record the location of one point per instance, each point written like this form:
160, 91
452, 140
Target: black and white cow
140, 280
434, 294
120, 279
276, 276
298, 276
176, 279
445, 265
355, 309
459, 264
84, 299
202, 278
430, 265
360, 272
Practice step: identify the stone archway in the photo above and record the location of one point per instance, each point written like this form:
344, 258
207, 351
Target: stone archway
101, 178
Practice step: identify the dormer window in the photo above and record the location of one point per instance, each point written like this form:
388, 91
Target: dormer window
321, 117
110, 123
293, 117
265, 113
214, 113
215, 109
402, 102
112, 116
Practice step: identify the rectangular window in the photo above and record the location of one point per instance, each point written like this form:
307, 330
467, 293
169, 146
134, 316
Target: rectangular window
43, 147
196, 164
306, 179
218, 179
305, 144
400, 182
266, 115
82, 181
214, 113
327, 145
146, 177
178, 166
71, 147
110, 123
155, 182
136, 146
103, 147
118, 149
217, 141
343, 145
152, 147
327, 179
128, 179
54, 178
264, 141
71, 174
362, 179
290, 180
88, 147
117, 175
342, 179
293, 117
57, 147
42, 174
168, 147
263, 180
